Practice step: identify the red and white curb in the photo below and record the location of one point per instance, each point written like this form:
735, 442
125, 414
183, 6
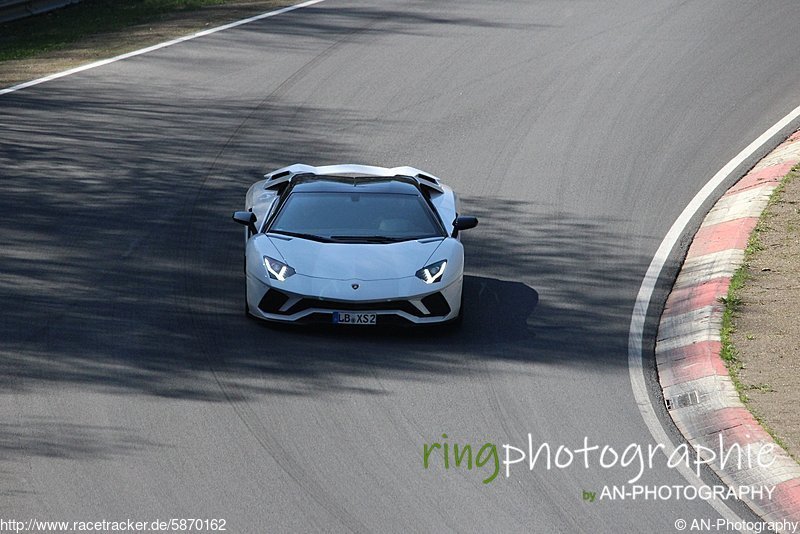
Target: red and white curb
700, 395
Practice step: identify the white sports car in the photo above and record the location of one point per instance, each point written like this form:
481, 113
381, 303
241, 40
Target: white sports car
353, 244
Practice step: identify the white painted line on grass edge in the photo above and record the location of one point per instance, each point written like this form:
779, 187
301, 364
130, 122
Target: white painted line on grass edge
639, 314
158, 46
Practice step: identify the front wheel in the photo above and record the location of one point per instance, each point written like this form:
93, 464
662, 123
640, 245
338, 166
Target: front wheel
246, 306
455, 323
459, 320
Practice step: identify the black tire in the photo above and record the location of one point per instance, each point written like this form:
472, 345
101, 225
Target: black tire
459, 320
246, 307
454, 324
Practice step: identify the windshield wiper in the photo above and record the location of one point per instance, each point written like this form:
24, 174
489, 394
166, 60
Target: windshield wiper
367, 239
312, 237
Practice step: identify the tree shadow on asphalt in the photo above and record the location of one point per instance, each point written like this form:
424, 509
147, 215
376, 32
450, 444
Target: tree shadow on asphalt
49, 437
121, 269
335, 22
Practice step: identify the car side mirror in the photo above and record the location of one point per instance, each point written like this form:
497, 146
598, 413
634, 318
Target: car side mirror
464, 222
247, 218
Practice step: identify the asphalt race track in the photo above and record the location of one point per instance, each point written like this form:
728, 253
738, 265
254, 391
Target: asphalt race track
133, 386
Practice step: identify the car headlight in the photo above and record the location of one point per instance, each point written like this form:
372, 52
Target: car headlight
277, 269
433, 272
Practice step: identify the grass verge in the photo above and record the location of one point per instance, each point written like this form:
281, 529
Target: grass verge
98, 29
58, 29
733, 302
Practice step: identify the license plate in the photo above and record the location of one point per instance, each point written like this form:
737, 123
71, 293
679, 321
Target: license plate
355, 318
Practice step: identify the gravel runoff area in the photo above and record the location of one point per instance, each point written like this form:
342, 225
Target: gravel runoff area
767, 320
766, 335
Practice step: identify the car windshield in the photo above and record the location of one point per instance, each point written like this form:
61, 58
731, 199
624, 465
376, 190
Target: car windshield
356, 217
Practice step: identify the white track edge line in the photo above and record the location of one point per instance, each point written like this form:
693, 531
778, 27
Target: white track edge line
640, 308
102, 62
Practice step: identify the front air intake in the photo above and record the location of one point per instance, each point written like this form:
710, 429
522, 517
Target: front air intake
272, 301
436, 304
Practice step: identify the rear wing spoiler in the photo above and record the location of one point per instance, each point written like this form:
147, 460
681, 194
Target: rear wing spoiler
284, 175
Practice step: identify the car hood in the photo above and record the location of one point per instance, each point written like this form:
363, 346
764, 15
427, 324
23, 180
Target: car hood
355, 261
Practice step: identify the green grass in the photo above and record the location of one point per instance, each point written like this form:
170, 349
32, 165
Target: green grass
733, 302
58, 29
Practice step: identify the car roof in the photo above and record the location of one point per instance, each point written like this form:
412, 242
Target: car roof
312, 183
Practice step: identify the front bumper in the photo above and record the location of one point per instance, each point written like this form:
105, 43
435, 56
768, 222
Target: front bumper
395, 302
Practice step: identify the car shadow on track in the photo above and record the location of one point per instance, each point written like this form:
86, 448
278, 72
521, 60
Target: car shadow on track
493, 309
